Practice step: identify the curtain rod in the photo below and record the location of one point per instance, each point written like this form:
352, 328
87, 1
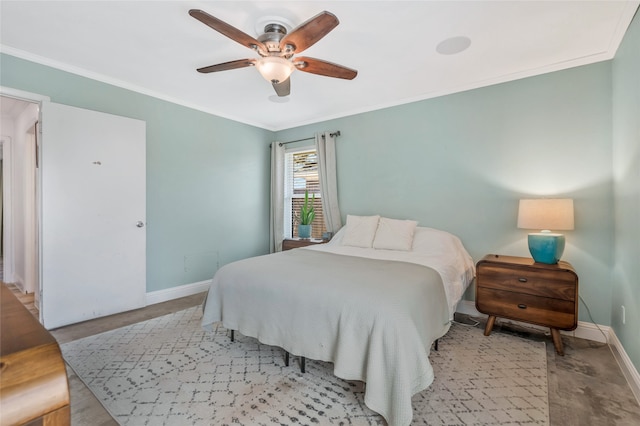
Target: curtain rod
334, 134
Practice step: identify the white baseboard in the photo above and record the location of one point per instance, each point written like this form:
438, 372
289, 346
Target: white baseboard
18, 281
627, 367
585, 330
165, 295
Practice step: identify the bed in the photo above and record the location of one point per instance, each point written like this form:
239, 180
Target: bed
371, 301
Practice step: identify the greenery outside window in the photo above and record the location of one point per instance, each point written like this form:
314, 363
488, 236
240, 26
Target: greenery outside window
300, 174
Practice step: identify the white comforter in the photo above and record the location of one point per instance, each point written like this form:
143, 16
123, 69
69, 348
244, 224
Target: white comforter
433, 248
374, 319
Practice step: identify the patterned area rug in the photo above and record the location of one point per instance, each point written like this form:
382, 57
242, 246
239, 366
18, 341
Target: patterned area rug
168, 371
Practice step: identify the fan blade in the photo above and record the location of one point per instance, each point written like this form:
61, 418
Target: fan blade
283, 88
231, 65
317, 66
308, 33
225, 29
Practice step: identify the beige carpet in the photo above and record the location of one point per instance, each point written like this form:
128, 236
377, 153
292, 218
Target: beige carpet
168, 371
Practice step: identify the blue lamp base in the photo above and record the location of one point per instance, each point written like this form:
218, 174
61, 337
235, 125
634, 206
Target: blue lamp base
546, 247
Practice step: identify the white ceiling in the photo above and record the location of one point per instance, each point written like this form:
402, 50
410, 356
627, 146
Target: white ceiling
155, 47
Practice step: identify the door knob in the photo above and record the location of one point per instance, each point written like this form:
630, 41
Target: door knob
139, 224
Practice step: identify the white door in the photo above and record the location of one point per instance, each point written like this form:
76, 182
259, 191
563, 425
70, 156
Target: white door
93, 213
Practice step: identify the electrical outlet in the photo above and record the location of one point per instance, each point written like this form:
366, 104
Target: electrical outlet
623, 315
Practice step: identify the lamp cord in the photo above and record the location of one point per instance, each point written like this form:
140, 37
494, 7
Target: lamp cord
606, 338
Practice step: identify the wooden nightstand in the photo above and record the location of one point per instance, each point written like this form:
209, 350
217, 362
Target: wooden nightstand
522, 290
291, 243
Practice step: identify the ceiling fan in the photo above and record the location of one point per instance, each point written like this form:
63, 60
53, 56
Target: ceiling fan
277, 48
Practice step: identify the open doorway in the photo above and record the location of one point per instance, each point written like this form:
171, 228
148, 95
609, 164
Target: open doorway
86, 257
18, 221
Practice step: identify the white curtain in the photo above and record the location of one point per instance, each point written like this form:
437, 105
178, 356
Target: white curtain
326, 148
276, 225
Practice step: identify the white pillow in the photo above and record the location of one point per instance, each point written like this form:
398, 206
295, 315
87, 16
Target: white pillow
360, 231
394, 234
432, 241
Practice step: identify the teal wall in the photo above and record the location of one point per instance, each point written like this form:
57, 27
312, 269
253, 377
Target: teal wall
626, 173
207, 177
462, 162
459, 162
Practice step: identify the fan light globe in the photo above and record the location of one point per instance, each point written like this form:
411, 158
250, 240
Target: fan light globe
274, 69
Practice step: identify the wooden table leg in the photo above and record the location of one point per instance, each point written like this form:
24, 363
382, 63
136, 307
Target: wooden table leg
489, 326
557, 341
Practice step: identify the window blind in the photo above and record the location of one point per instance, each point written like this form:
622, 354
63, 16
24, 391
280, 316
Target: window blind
300, 175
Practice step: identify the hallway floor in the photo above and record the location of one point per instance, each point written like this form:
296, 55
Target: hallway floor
27, 299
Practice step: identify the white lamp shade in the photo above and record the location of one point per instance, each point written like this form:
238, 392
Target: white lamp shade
546, 214
274, 69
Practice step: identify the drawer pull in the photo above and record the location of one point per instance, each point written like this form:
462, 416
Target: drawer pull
522, 306
522, 280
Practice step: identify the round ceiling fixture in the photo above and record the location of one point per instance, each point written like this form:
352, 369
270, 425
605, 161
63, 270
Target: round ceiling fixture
453, 45
262, 22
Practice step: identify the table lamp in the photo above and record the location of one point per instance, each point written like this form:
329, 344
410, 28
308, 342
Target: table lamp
546, 215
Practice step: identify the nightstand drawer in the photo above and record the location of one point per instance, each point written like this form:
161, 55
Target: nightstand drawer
523, 290
544, 311
552, 284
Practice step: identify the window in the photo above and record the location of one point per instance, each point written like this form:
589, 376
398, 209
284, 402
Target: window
300, 174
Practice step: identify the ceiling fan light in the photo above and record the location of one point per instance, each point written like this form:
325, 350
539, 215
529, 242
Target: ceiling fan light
274, 69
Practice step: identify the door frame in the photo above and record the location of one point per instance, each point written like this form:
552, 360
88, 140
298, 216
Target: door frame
9, 247
7, 214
